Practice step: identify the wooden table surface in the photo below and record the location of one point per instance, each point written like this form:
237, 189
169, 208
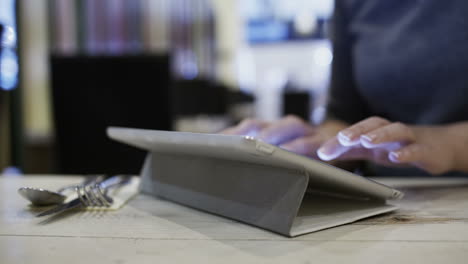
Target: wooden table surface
430, 227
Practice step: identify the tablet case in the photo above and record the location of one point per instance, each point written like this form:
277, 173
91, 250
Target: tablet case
268, 197
284, 200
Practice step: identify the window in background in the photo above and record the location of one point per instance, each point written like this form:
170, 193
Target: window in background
287, 42
8, 50
10, 117
279, 20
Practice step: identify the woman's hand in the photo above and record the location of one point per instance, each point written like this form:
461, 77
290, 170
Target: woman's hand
431, 148
290, 133
436, 149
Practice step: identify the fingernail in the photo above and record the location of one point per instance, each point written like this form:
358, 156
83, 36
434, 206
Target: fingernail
323, 155
345, 139
331, 152
367, 140
323, 150
346, 135
369, 137
394, 157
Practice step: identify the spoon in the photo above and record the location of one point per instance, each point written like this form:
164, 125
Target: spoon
43, 197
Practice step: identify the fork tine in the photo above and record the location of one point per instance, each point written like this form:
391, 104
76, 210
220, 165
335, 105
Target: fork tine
94, 194
95, 198
91, 195
91, 200
105, 200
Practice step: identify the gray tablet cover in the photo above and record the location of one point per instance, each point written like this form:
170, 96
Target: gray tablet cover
287, 200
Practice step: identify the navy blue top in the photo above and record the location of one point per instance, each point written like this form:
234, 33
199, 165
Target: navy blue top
404, 60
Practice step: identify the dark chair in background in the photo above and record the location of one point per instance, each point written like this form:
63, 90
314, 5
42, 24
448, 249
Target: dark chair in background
200, 96
91, 93
297, 103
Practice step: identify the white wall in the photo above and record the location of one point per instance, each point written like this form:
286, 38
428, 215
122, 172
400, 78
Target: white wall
263, 69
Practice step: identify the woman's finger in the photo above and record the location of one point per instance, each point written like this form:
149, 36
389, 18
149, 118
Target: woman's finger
284, 130
305, 145
394, 132
332, 149
408, 154
248, 127
421, 156
351, 135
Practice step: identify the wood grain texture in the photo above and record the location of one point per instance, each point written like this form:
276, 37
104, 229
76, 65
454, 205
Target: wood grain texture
430, 227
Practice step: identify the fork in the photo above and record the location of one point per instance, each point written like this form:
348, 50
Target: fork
95, 193
91, 195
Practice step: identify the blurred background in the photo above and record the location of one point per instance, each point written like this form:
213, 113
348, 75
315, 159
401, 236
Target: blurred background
70, 68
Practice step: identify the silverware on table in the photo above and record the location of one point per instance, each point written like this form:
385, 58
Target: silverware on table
91, 195
43, 197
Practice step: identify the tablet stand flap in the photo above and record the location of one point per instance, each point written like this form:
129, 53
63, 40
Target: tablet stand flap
320, 211
263, 196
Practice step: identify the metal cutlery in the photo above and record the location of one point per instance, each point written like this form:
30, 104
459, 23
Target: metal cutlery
44, 197
94, 194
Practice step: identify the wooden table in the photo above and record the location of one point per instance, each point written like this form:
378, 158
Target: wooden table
430, 227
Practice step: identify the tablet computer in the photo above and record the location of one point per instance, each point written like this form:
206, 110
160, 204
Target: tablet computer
248, 180
322, 176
